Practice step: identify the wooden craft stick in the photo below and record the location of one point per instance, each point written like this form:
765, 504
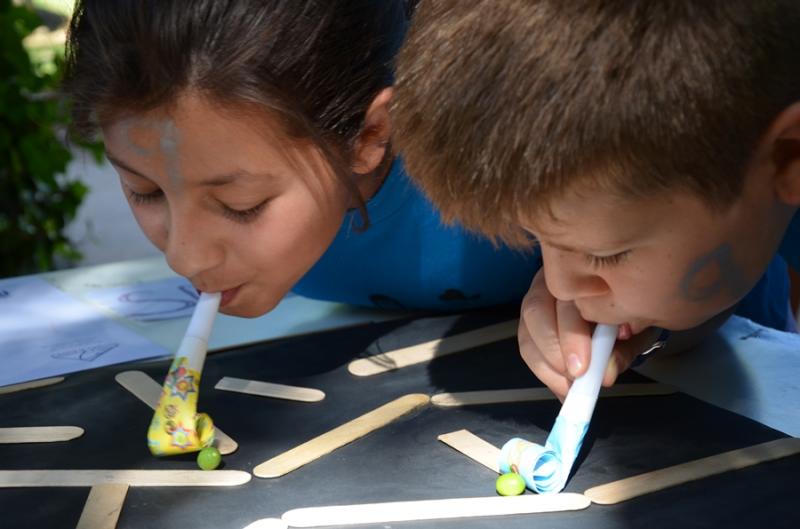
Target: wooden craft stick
39, 434
268, 523
406, 511
473, 447
148, 391
134, 478
471, 398
427, 351
664, 478
340, 436
103, 506
13, 388
268, 389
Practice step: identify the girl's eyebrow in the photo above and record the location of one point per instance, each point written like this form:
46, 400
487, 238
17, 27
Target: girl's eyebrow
214, 181
115, 161
221, 180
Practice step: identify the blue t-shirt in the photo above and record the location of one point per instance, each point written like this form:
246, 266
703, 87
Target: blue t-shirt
768, 302
408, 258
790, 247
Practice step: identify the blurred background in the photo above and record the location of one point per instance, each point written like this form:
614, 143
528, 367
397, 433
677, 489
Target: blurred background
60, 202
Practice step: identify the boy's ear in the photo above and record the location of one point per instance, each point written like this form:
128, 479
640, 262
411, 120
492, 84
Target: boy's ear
786, 155
373, 140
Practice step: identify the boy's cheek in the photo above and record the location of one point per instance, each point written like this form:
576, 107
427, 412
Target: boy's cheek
688, 316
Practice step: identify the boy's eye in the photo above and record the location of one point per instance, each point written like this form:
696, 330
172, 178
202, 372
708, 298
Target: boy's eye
244, 215
144, 198
598, 261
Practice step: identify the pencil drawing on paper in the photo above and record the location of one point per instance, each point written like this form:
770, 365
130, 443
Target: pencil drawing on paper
85, 352
153, 305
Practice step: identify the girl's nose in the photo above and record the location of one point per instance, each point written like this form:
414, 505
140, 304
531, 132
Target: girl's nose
190, 249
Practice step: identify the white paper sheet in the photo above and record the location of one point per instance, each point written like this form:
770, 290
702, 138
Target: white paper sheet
745, 368
45, 332
160, 310
166, 299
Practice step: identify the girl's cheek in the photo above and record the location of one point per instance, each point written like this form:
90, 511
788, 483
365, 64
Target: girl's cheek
154, 224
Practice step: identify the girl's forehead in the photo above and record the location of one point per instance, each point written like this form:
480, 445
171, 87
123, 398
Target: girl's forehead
196, 127
196, 143
193, 113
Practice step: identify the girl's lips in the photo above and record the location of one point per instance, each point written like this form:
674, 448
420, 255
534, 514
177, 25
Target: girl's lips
624, 332
228, 295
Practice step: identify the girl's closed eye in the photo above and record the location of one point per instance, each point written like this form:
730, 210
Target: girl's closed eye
237, 215
144, 198
244, 215
601, 261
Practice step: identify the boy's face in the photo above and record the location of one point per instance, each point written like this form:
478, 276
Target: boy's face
667, 260
234, 209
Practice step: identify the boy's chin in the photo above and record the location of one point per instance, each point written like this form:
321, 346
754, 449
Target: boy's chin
693, 323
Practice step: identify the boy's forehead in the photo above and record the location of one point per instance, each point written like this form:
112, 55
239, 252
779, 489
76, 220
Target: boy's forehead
558, 213
594, 219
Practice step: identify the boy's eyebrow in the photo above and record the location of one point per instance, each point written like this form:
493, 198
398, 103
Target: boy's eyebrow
570, 249
214, 181
619, 243
562, 247
566, 248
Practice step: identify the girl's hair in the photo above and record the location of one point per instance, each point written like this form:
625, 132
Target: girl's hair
315, 65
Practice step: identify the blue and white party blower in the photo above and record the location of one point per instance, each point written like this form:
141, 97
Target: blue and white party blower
546, 468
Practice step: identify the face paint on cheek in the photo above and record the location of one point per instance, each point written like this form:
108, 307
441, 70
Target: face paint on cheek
713, 273
168, 143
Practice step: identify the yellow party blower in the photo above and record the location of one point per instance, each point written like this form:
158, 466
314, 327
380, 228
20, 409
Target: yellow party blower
176, 427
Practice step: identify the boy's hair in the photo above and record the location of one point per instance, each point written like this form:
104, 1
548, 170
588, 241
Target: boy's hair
315, 65
501, 106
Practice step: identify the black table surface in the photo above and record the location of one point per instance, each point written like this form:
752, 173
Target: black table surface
402, 461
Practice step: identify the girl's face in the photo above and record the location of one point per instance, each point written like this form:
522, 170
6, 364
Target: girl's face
235, 207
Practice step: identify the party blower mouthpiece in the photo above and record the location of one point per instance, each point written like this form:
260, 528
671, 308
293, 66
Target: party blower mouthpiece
176, 427
545, 469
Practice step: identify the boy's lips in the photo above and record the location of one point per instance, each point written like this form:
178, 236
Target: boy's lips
627, 329
228, 295
633, 328
624, 332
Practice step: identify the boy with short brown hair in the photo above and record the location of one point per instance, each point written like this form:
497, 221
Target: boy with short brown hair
652, 148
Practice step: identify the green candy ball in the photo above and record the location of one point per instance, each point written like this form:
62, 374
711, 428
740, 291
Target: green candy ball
209, 458
510, 484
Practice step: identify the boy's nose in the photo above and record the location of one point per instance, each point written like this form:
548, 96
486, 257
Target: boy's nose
567, 281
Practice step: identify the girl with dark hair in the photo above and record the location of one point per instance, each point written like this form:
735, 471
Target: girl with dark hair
252, 140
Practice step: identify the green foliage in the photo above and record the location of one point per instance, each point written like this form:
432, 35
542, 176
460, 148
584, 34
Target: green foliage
36, 201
